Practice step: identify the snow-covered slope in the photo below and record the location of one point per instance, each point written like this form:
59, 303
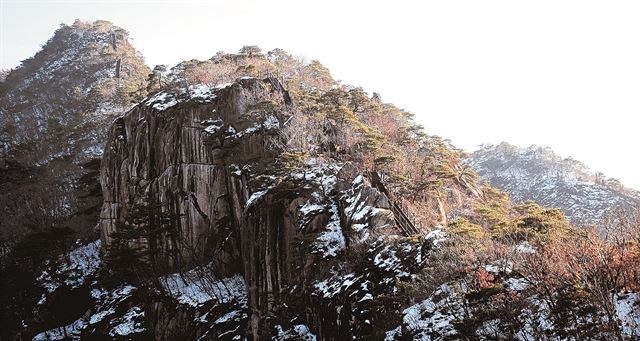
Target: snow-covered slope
538, 174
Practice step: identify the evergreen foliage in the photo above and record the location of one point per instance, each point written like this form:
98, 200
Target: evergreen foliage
133, 253
464, 230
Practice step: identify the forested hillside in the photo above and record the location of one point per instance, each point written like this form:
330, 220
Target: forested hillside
54, 112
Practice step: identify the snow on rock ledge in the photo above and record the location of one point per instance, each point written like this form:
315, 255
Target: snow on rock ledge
75, 269
198, 286
200, 93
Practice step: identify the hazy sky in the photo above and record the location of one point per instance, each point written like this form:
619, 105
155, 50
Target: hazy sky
565, 74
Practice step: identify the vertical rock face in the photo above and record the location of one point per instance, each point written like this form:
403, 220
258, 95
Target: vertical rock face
208, 156
194, 157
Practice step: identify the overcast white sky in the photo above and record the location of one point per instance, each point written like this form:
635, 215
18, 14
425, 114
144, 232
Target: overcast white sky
564, 74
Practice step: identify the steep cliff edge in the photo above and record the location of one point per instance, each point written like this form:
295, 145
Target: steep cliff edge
210, 157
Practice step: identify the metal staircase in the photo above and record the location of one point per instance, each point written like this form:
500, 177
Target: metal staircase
402, 221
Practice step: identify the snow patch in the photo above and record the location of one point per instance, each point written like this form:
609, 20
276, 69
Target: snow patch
200, 93
162, 101
331, 241
628, 312
437, 236
298, 332
131, 323
388, 260
196, 287
255, 196
336, 284
71, 331
75, 269
433, 315
525, 247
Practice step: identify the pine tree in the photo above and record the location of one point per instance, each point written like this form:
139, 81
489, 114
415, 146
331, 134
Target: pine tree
250, 50
134, 253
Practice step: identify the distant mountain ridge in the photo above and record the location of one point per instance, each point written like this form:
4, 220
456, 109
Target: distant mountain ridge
536, 173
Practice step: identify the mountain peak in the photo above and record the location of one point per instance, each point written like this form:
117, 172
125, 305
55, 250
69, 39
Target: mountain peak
85, 71
55, 109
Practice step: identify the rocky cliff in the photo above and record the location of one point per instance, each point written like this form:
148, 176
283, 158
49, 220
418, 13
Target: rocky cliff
209, 156
161, 148
229, 211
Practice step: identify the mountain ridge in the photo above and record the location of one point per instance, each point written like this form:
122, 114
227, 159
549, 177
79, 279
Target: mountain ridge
538, 174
